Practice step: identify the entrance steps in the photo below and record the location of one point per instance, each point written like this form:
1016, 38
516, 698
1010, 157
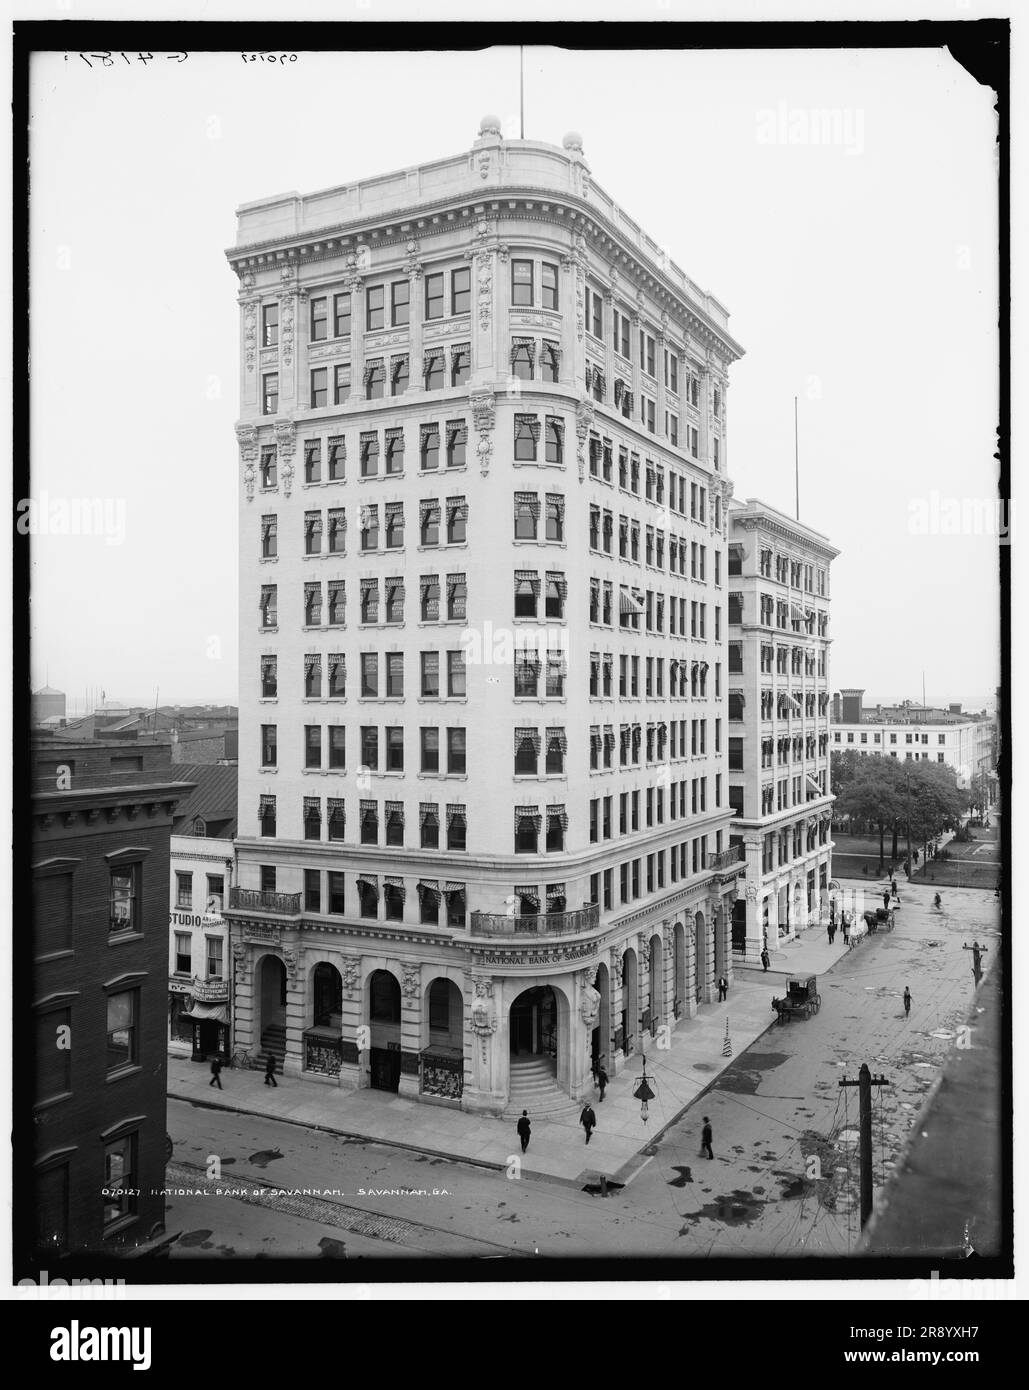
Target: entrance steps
273, 1040
534, 1088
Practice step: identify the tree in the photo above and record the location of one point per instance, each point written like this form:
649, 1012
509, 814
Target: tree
843, 768
872, 795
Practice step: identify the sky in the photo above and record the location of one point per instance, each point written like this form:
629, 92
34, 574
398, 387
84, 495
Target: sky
860, 277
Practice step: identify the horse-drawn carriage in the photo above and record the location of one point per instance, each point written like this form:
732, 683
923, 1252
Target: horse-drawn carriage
801, 998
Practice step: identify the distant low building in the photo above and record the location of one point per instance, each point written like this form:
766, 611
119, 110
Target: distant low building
48, 704
917, 733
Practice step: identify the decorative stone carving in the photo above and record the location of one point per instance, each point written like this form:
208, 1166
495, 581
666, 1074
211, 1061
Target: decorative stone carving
349, 973
287, 311
751, 892
483, 1023
617, 968
412, 265
484, 989
589, 1006
290, 960
285, 438
247, 437
239, 960
583, 425
250, 333
484, 418
412, 978
485, 284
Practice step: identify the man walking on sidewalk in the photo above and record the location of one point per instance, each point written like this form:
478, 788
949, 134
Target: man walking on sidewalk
907, 1001
216, 1073
588, 1120
601, 1079
766, 959
723, 988
269, 1071
524, 1128
705, 1138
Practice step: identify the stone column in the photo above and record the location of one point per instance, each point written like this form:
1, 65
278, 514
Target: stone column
583, 1017
690, 1002
666, 991
353, 1072
410, 1030
415, 276
481, 258
354, 285
609, 346
659, 368
617, 1058
296, 1010
243, 1005
250, 330
573, 320
637, 366
486, 1047
289, 334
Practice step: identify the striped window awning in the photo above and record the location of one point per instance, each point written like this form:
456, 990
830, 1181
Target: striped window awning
429, 434
457, 507
428, 811
394, 509
455, 813
558, 813
373, 366
394, 808
369, 880
266, 806
395, 586
430, 355
393, 881
312, 662
557, 738
459, 350
451, 886
268, 664
454, 581
529, 892
396, 366
528, 813
523, 346
527, 736
457, 432
428, 506
429, 886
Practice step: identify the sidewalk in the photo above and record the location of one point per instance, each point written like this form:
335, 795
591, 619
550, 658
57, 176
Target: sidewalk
557, 1149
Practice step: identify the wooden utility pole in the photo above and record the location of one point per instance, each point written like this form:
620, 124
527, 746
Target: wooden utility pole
977, 960
864, 1083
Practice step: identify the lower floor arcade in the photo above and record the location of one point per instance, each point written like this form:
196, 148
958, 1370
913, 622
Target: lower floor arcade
449, 1023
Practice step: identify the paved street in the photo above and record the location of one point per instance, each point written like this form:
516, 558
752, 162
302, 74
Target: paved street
774, 1108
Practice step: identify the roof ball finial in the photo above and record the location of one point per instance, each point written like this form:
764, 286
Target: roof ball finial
489, 125
573, 142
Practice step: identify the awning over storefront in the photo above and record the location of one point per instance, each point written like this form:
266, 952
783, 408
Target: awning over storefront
208, 1013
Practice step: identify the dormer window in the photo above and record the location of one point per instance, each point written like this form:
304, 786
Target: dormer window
199, 827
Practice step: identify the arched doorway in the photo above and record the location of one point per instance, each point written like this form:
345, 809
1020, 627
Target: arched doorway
739, 927
630, 1003
600, 1043
534, 1023
657, 983
679, 960
382, 1014
273, 1009
441, 1061
702, 956
323, 1051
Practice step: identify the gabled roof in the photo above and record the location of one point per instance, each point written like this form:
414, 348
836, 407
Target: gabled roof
214, 797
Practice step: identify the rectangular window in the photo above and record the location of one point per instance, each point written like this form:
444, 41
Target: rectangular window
124, 900
369, 675
521, 282
457, 443
341, 315
340, 389
394, 750
434, 303
122, 1030
375, 307
319, 319
269, 325
456, 751
270, 393
548, 282
183, 953
312, 745
429, 448
183, 890
400, 303
456, 673
460, 365
394, 675
121, 1180
430, 750
337, 746
460, 291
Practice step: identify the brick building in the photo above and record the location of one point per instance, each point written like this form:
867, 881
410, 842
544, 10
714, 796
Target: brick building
97, 1049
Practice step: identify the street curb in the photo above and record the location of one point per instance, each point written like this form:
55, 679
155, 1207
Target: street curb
341, 1133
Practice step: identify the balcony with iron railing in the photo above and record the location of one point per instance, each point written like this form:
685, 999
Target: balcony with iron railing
731, 858
260, 900
539, 924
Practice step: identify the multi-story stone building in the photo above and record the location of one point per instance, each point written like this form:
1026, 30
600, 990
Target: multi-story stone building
778, 721
483, 805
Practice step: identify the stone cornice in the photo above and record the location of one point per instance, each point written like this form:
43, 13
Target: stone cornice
769, 520
528, 203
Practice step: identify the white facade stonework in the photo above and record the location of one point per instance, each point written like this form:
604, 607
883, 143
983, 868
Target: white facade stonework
554, 537
778, 723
